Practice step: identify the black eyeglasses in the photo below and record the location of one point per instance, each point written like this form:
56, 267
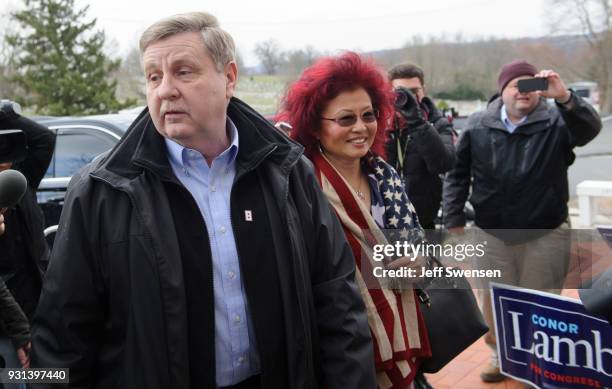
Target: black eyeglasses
350, 119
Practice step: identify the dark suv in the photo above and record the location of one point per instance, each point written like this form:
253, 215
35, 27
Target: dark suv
79, 140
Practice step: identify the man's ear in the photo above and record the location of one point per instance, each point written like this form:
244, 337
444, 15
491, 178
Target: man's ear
231, 75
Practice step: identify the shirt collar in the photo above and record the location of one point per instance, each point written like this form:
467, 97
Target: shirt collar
506, 120
180, 155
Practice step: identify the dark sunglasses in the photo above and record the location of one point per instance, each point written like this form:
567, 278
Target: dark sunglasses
350, 119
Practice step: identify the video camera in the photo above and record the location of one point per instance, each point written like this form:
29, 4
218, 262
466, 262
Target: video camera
13, 146
401, 97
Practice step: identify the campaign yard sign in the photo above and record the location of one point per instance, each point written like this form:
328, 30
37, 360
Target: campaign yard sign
550, 341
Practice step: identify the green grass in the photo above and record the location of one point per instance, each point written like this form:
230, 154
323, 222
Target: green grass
263, 93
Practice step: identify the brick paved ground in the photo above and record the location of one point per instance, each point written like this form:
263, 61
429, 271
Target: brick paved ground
463, 372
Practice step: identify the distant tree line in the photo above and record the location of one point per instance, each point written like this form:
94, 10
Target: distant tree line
275, 61
468, 70
52, 58
458, 69
579, 48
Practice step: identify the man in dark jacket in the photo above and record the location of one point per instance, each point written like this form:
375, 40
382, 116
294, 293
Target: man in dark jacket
23, 248
15, 325
421, 151
515, 157
200, 252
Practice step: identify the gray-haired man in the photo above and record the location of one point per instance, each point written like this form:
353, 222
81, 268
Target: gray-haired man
200, 253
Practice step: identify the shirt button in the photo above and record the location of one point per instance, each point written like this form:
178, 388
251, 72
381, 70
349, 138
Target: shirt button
240, 360
237, 318
222, 229
213, 188
231, 275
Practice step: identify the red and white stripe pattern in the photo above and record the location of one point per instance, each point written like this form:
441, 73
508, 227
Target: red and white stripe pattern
397, 326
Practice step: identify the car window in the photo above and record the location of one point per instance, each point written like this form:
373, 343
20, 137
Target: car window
76, 148
51, 168
584, 93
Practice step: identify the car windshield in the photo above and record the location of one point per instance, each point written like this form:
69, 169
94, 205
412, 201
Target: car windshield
585, 93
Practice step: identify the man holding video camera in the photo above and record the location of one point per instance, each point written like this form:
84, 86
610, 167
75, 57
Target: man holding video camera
420, 152
23, 247
514, 155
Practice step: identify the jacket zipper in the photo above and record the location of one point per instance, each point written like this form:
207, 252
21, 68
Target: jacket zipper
493, 153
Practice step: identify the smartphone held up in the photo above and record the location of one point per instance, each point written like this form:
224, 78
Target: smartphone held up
532, 84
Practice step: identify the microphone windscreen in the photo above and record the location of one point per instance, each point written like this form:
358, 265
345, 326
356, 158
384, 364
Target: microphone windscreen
13, 186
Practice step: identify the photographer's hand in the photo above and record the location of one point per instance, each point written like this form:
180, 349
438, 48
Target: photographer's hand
433, 113
23, 354
411, 110
556, 87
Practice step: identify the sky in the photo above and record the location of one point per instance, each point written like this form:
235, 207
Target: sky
327, 25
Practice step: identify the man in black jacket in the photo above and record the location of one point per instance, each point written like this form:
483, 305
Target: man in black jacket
14, 323
515, 156
421, 151
200, 252
23, 248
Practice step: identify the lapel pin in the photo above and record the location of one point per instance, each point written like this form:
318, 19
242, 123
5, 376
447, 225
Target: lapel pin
248, 215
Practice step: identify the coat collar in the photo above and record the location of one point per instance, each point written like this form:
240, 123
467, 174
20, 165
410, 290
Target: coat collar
538, 120
143, 148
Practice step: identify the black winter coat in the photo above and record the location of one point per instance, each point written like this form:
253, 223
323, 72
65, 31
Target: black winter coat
23, 248
519, 179
428, 152
113, 307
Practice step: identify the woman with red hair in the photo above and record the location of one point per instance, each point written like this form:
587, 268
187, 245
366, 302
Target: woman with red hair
338, 109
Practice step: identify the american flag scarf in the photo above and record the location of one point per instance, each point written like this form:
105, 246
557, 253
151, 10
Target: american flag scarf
395, 321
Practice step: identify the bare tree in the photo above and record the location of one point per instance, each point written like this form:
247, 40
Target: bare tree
300, 59
592, 19
270, 55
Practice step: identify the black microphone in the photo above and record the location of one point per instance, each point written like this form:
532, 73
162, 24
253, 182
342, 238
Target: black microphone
13, 186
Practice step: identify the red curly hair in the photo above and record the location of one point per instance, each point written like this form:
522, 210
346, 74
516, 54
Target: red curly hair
307, 97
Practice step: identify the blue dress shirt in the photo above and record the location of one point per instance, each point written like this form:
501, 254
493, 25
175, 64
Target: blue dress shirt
236, 355
507, 122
